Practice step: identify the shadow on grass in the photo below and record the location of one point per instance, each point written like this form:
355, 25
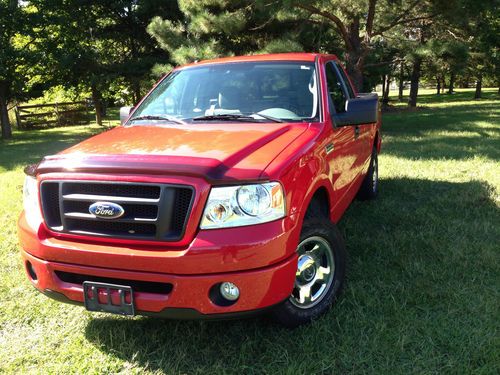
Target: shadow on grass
420, 258
443, 133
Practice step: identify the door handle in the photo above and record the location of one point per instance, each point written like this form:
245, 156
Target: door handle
356, 132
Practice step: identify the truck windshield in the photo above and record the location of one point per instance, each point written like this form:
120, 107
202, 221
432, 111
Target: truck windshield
247, 91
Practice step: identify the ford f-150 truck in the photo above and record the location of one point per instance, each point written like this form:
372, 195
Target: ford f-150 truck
216, 197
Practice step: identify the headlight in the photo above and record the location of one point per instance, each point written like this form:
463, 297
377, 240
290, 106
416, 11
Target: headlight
234, 206
31, 204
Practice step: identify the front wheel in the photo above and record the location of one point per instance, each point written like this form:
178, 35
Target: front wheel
319, 276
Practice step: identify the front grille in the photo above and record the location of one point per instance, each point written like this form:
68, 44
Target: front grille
151, 211
116, 190
136, 285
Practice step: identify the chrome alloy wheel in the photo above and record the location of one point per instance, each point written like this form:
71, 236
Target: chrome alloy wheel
375, 174
315, 271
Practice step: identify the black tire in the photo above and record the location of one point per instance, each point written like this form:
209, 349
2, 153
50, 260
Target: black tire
369, 188
291, 313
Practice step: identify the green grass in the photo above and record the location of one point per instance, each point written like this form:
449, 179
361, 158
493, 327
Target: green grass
423, 288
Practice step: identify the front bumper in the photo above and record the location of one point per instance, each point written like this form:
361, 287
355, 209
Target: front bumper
210, 251
189, 296
260, 260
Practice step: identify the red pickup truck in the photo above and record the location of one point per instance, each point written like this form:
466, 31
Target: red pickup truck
216, 197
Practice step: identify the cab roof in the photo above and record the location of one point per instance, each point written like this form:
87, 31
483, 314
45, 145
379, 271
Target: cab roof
293, 56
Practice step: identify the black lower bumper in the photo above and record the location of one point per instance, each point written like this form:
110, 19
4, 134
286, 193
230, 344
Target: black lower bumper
172, 312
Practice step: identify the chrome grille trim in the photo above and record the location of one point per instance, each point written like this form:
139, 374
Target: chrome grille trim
107, 198
157, 212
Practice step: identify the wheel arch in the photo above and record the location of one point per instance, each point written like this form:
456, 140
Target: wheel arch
377, 141
321, 192
321, 199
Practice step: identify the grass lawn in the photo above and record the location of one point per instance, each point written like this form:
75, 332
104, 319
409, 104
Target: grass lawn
423, 288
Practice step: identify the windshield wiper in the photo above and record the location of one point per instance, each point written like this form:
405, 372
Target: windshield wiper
270, 118
157, 117
237, 117
226, 117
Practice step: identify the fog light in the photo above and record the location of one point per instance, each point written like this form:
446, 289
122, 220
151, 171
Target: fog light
229, 291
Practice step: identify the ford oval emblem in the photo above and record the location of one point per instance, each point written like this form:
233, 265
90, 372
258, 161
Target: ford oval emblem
106, 210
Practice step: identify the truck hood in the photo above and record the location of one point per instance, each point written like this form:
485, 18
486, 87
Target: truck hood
214, 151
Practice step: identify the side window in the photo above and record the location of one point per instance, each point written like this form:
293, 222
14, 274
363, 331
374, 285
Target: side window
335, 89
350, 91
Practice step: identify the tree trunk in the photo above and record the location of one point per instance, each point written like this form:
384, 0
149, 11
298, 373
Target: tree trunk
355, 55
415, 80
465, 82
401, 83
136, 90
356, 48
479, 86
97, 99
452, 83
355, 70
4, 115
385, 96
438, 86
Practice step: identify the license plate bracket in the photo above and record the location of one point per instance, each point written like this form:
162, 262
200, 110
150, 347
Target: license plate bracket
91, 294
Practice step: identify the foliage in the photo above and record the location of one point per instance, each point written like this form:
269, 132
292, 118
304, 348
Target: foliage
103, 45
18, 48
114, 50
219, 27
485, 46
213, 28
371, 37
18, 53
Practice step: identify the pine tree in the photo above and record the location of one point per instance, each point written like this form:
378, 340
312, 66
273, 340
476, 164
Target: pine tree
218, 27
214, 28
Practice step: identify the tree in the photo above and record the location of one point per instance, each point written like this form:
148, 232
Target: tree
213, 28
17, 50
126, 27
485, 50
466, 46
74, 47
360, 23
221, 27
380, 67
446, 56
97, 44
418, 36
439, 38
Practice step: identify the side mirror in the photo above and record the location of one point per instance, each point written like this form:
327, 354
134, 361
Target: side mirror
124, 114
360, 110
